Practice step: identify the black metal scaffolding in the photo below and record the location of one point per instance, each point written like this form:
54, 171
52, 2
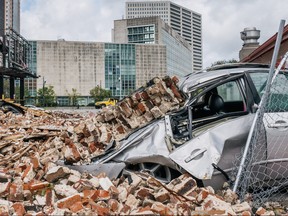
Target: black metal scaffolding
15, 59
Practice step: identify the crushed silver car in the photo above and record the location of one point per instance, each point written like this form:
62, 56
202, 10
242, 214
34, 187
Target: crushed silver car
201, 136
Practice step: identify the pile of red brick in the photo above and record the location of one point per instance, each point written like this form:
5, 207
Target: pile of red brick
78, 139
31, 188
138, 109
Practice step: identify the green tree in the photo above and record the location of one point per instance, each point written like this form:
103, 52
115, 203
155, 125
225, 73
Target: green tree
99, 93
73, 96
224, 62
46, 96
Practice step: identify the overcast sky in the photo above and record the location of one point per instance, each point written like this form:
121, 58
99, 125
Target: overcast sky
92, 20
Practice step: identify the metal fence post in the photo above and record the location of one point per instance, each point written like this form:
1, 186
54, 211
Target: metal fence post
263, 100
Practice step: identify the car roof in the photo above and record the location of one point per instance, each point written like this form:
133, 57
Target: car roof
217, 72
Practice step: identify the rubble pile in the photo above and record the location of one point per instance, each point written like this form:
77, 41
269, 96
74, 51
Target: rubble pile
78, 139
32, 188
136, 110
32, 183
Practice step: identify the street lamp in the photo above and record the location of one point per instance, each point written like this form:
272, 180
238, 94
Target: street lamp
120, 96
43, 92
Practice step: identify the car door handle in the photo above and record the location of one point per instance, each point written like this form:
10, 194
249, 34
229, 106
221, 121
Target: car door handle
281, 124
195, 153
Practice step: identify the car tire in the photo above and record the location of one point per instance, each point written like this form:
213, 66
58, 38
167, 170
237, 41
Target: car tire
103, 105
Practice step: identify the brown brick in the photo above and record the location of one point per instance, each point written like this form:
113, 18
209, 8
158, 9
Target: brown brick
49, 197
16, 192
138, 96
241, 207
28, 174
123, 193
113, 205
83, 184
144, 193
183, 184
39, 174
230, 196
39, 186
56, 173
162, 195
149, 104
156, 112
183, 209
76, 207
261, 211
246, 213
65, 190
74, 154
4, 210
176, 93
161, 209
210, 212
109, 115
144, 95
103, 195
27, 195
90, 194
69, 201
35, 160
212, 202
129, 101
132, 201
141, 108
125, 109
143, 211
100, 210
4, 189
165, 107
156, 101
125, 209
202, 195
120, 129
152, 91
19, 208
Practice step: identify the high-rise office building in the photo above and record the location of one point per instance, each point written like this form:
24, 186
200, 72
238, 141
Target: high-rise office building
143, 48
120, 67
184, 21
153, 30
9, 15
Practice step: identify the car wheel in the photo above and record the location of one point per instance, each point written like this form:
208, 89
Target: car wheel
103, 105
162, 173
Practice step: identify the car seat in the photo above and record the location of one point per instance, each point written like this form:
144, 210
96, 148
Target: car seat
216, 104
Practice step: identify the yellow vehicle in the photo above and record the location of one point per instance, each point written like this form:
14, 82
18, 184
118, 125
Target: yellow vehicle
106, 102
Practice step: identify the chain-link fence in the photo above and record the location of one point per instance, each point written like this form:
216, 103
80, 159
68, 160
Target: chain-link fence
263, 164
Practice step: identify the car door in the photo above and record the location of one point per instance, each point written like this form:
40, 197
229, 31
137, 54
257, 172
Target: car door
221, 136
276, 123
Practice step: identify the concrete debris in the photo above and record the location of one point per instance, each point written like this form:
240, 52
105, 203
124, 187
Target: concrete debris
32, 183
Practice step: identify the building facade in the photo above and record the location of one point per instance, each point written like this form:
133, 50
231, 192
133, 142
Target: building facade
153, 30
145, 48
184, 21
120, 68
